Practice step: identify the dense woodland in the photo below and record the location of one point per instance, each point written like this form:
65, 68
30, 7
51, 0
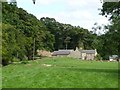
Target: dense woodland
20, 30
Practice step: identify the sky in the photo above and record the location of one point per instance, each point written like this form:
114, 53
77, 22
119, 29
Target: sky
83, 13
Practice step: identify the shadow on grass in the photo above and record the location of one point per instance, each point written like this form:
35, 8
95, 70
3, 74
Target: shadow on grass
115, 71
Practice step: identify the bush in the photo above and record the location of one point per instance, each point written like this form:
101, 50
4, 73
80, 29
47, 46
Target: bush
98, 57
6, 60
15, 59
24, 62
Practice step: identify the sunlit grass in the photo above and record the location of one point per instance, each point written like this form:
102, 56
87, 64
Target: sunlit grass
0, 77
61, 73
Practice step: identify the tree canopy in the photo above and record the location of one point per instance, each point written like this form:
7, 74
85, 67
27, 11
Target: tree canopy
19, 30
109, 43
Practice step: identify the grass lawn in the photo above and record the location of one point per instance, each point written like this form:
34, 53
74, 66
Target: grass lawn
61, 73
0, 77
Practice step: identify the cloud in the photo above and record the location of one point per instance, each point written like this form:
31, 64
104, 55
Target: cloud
76, 3
75, 12
77, 18
45, 2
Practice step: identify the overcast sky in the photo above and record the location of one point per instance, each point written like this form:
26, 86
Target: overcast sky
83, 13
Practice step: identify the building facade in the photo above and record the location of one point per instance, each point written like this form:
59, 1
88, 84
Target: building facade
78, 53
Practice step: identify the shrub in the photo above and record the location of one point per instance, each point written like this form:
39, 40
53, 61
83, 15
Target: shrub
15, 59
98, 57
24, 62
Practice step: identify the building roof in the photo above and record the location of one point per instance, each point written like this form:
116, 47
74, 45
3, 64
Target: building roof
113, 56
61, 52
88, 51
67, 52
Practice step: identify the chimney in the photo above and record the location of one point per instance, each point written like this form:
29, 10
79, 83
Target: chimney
76, 49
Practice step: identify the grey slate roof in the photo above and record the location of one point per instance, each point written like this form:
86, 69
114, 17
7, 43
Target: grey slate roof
113, 56
88, 51
62, 52
67, 52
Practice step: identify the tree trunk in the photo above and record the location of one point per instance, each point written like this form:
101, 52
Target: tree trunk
30, 57
66, 46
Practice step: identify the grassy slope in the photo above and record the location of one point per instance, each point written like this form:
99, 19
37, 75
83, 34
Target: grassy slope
0, 77
64, 73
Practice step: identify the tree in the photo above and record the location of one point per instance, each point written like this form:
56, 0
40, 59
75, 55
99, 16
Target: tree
34, 1
10, 44
67, 40
21, 28
13, 2
109, 43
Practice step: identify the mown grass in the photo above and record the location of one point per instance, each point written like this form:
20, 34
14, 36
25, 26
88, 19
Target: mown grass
0, 77
63, 73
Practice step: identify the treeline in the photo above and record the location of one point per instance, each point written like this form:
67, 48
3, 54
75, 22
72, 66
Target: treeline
21, 31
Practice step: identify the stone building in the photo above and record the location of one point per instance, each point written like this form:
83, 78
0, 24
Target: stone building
88, 54
78, 53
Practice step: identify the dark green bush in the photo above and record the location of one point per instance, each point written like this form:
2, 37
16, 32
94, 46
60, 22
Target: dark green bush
24, 62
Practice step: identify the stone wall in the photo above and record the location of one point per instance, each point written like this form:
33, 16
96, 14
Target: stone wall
44, 53
90, 56
75, 54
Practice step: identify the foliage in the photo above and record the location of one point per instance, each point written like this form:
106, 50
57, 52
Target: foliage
15, 59
10, 44
24, 62
98, 57
19, 30
76, 36
109, 43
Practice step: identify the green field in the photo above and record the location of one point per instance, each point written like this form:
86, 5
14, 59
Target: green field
61, 73
0, 77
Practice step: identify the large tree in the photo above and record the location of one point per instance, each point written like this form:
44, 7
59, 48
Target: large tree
109, 43
19, 31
